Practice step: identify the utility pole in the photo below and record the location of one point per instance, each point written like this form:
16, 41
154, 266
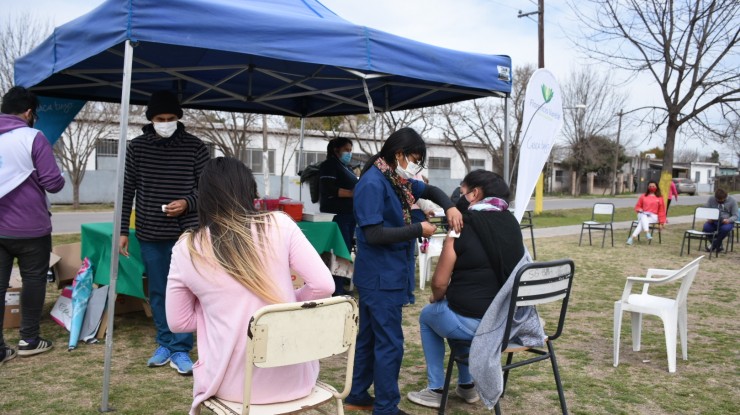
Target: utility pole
616, 155
539, 188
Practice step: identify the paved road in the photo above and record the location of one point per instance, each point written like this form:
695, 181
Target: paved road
69, 222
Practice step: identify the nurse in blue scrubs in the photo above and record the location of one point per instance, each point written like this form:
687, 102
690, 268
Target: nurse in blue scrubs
385, 262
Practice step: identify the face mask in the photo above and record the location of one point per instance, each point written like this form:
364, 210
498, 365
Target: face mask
404, 173
411, 170
462, 204
412, 167
165, 129
346, 157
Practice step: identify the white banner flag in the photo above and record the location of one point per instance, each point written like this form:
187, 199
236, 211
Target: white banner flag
543, 117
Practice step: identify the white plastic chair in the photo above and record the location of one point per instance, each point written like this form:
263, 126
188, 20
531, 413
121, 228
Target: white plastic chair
673, 312
434, 250
291, 333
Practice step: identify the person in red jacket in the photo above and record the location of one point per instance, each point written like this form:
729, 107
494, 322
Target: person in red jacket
650, 209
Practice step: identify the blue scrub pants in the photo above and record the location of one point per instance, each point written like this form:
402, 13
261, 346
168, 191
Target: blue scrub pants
156, 256
379, 350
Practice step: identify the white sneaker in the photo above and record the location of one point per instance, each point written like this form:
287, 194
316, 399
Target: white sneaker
468, 395
426, 397
629, 241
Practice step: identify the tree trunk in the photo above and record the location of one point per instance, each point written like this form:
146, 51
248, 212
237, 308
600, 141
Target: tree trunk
75, 195
666, 174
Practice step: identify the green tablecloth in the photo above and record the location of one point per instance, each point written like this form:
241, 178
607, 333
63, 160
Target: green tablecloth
97, 240
96, 245
325, 237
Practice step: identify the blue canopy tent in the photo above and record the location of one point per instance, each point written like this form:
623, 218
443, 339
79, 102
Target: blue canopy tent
286, 57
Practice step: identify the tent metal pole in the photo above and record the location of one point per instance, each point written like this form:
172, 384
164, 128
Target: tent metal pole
300, 157
125, 98
265, 158
506, 141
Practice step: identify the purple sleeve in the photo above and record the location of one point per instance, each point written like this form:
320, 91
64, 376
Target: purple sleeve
50, 178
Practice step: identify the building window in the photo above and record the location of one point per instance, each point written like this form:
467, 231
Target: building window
107, 147
309, 157
253, 159
438, 163
558, 176
477, 164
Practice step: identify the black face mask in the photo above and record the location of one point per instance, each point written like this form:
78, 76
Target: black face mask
462, 204
32, 120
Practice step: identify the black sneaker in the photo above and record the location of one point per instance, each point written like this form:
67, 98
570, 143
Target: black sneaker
6, 353
29, 348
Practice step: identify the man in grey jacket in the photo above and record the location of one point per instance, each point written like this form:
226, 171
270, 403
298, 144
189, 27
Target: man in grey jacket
727, 206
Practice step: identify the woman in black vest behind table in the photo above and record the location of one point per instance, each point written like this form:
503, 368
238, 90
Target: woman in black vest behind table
336, 187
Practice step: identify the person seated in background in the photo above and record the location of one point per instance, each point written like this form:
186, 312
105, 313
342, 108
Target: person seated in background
237, 261
471, 270
336, 189
727, 206
650, 209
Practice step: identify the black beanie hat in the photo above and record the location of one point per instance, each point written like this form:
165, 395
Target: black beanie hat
163, 102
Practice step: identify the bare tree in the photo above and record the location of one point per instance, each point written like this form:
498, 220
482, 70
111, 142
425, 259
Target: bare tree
686, 155
482, 120
230, 132
96, 121
19, 33
689, 48
591, 103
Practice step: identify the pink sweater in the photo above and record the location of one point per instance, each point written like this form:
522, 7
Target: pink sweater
653, 204
208, 301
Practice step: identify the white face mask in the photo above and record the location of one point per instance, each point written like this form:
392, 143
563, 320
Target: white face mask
165, 129
411, 170
404, 173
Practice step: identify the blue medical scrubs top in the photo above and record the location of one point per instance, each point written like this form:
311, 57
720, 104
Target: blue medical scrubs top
389, 266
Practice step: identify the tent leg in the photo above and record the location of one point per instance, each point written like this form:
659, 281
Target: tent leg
506, 141
125, 98
300, 157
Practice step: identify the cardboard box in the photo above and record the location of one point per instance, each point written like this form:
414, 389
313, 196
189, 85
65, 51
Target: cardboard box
68, 264
12, 317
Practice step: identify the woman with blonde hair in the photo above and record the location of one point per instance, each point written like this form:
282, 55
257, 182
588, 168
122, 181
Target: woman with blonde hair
237, 261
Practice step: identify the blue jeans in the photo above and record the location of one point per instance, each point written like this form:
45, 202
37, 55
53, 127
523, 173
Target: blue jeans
724, 229
156, 256
437, 322
347, 224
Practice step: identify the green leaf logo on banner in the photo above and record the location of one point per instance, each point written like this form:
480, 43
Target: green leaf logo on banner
546, 93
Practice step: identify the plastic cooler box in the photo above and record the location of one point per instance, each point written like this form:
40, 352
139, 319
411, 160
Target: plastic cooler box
293, 208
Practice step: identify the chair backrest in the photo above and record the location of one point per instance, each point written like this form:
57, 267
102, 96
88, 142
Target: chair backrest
603, 209
686, 275
540, 283
705, 213
290, 333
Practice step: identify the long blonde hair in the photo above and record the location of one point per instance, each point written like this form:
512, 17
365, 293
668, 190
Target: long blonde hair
231, 230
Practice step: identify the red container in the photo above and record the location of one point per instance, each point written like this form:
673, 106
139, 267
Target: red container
293, 208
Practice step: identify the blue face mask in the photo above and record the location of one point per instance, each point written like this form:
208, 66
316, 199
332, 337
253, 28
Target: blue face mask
346, 157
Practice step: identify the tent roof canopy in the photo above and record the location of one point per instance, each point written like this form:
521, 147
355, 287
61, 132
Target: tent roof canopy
288, 57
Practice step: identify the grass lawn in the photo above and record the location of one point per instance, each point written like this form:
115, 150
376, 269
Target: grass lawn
708, 383
564, 217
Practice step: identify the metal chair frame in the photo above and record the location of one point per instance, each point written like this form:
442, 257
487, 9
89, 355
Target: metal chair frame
653, 227
600, 209
704, 213
531, 287
527, 223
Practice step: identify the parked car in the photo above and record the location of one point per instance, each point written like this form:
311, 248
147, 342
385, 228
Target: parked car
685, 186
